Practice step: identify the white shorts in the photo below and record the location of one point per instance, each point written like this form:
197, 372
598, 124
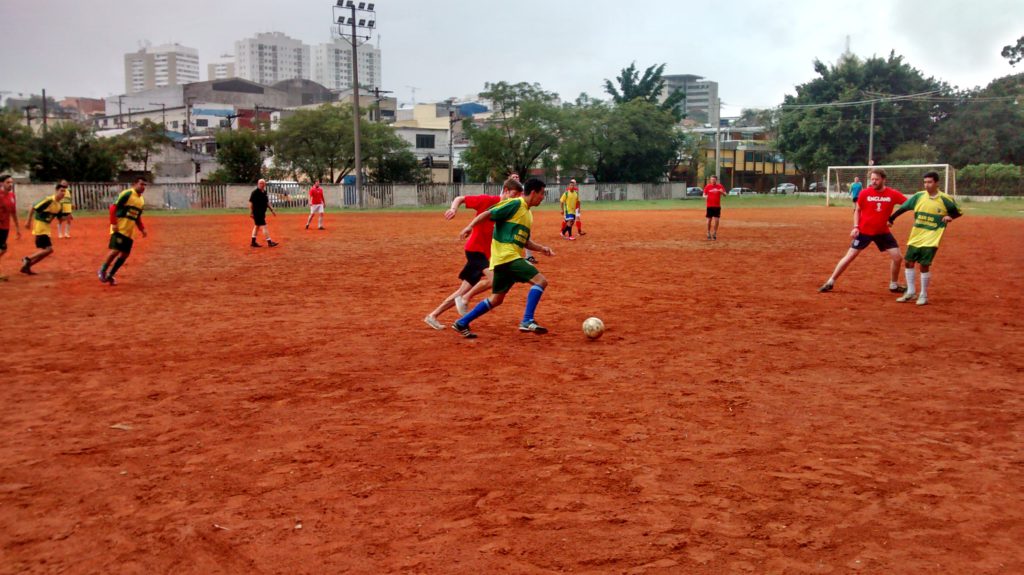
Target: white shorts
316, 209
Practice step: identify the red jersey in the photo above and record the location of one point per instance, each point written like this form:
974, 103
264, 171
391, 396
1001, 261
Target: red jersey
316, 195
875, 209
480, 239
714, 193
7, 210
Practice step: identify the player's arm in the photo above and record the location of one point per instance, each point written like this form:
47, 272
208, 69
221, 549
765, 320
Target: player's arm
856, 221
905, 207
113, 214
952, 209
17, 224
476, 221
251, 216
450, 212
28, 218
535, 247
142, 228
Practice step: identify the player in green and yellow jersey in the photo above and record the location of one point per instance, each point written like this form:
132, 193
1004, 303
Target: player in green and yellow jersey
39, 219
513, 221
933, 209
570, 202
64, 218
125, 219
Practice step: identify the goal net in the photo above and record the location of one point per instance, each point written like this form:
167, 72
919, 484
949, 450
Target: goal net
906, 179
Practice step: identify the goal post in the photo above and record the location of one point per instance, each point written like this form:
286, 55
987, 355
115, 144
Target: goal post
905, 178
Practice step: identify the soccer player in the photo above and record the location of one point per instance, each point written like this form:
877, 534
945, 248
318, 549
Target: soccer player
569, 201
8, 210
855, 189
529, 255
713, 192
871, 225
259, 202
478, 251
933, 210
64, 218
512, 223
579, 204
316, 205
39, 218
125, 218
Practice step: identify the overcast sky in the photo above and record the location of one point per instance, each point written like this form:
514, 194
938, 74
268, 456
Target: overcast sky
757, 51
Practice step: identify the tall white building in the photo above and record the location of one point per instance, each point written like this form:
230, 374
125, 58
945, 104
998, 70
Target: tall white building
222, 68
160, 66
332, 65
701, 95
270, 57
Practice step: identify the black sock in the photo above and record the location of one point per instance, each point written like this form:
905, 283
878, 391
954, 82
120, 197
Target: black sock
117, 265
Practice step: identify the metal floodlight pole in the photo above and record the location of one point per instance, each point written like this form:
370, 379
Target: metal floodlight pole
871, 137
369, 24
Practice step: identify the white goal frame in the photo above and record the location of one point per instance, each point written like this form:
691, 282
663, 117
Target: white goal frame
946, 172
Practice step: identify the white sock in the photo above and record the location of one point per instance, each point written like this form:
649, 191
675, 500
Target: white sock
926, 278
909, 273
893, 285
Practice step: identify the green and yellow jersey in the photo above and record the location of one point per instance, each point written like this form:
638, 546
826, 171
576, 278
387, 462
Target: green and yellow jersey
928, 214
66, 204
42, 214
129, 209
512, 222
570, 199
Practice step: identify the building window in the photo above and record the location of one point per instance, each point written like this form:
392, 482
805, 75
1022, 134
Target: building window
174, 124
203, 123
424, 140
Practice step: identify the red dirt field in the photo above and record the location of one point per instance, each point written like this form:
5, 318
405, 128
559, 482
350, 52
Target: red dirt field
229, 410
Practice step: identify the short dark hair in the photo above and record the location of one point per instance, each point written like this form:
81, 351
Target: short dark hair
933, 175
879, 171
140, 179
59, 186
533, 185
3, 177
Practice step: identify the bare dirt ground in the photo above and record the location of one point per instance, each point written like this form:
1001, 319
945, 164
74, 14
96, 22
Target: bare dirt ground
230, 410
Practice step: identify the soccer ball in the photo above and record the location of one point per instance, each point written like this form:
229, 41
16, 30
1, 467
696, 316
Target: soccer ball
593, 327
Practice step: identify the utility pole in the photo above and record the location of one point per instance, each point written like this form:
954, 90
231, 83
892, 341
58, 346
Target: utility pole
451, 135
120, 112
871, 137
718, 138
28, 115
44, 110
367, 20
163, 113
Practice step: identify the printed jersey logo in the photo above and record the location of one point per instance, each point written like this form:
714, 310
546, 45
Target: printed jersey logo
879, 199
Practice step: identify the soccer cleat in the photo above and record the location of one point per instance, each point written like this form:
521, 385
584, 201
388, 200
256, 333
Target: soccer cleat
461, 305
532, 327
255, 244
826, 287
714, 237
709, 237
99, 274
111, 280
307, 226
272, 243
906, 297
321, 228
922, 300
897, 289
582, 233
463, 330
26, 267
432, 322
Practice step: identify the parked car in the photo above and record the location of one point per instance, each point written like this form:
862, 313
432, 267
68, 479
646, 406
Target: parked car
817, 187
741, 191
785, 189
694, 192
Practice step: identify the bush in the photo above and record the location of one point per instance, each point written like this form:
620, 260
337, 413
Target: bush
990, 180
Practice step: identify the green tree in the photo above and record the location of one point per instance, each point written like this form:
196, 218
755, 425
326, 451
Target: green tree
525, 126
72, 152
816, 137
1014, 52
647, 87
17, 149
239, 155
317, 142
912, 153
982, 130
141, 142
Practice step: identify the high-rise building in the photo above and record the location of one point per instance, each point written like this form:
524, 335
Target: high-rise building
270, 57
159, 67
332, 65
222, 68
701, 95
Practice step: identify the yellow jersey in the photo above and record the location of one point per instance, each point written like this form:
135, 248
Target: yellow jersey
928, 214
42, 214
129, 209
66, 204
512, 222
570, 199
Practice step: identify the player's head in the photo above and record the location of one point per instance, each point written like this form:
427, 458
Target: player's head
534, 192
261, 184
514, 176
512, 188
714, 179
60, 189
856, 178
6, 182
318, 183
931, 182
140, 185
877, 176
572, 183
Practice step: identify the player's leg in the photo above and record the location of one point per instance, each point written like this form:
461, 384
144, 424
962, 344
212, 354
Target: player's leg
44, 247
844, 262
320, 218
709, 227
266, 234
3, 250
888, 244
113, 253
252, 241
67, 226
122, 257
481, 286
503, 280
447, 304
538, 284
309, 219
714, 232
927, 255
579, 223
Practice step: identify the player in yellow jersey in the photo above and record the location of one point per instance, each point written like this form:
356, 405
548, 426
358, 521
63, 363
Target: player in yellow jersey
64, 218
570, 202
125, 219
933, 210
512, 223
39, 219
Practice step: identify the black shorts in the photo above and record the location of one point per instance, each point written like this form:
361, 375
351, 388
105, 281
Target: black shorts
883, 241
476, 263
121, 243
259, 219
62, 215
714, 212
3, 240
43, 242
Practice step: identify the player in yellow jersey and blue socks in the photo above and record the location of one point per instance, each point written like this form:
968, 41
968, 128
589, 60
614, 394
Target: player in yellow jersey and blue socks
933, 210
513, 221
125, 219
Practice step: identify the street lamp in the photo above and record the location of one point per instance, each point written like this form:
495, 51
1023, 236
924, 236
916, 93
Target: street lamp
366, 20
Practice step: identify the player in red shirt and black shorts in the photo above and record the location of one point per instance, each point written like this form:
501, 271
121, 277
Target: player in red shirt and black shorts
871, 226
8, 210
316, 205
475, 274
713, 192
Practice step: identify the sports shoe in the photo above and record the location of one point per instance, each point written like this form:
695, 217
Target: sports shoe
99, 274
826, 287
272, 243
463, 330
922, 300
461, 305
582, 233
572, 237
307, 226
111, 280
709, 237
432, 322
714, 237
26, 267
532, 327
906, 297
255, 244
897, 289
531, 259
321, 228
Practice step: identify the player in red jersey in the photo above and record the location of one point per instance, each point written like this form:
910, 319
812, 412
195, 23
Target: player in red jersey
713, 192
316, 205
8, 210
474, 274
871, 225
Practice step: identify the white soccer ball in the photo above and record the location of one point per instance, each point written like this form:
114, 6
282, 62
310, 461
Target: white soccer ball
593, 327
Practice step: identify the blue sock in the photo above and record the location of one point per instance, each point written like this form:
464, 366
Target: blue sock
532, 299
480, 309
